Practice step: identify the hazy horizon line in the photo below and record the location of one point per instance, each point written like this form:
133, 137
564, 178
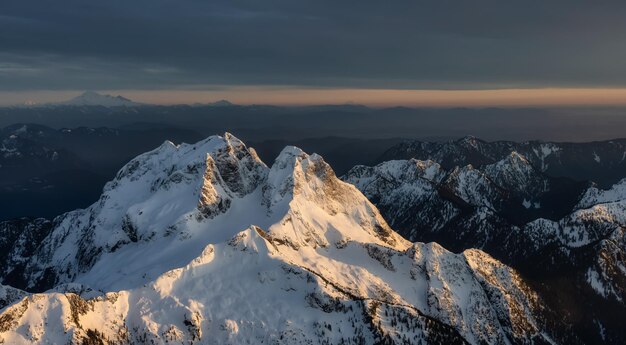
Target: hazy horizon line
290, 96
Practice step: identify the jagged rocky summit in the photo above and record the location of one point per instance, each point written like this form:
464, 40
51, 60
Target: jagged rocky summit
206, 244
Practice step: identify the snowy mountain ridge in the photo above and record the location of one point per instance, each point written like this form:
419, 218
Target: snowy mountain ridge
555, 232
423, 193
204, 243
172, 191
603, 162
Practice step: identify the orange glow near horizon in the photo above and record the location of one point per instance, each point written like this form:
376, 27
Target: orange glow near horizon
370, 97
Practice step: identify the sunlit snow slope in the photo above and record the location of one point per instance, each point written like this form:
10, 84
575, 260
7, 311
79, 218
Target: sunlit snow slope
205, 244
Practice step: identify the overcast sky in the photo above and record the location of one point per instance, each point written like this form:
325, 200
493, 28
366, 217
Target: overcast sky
215, 45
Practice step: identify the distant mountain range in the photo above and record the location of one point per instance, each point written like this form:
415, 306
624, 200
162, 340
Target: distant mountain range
95, 99
603, 162
268, 122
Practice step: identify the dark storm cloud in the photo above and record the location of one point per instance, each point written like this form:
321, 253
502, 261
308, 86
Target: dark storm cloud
78, 44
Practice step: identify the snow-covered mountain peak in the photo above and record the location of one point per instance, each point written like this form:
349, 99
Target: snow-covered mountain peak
472, 186
298, 173
167, 204
289, 157
288, 174
514, 161
170, 192
204, 243
91, 98
515, 172
407, 171
222, 103
170, 163
305, 188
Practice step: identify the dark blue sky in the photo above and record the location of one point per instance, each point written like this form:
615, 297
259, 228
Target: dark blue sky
193, 44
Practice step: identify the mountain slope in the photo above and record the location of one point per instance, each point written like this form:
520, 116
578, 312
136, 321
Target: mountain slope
576, 261
204, 243
262, 295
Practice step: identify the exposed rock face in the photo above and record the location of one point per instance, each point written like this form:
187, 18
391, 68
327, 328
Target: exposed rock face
205, 244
